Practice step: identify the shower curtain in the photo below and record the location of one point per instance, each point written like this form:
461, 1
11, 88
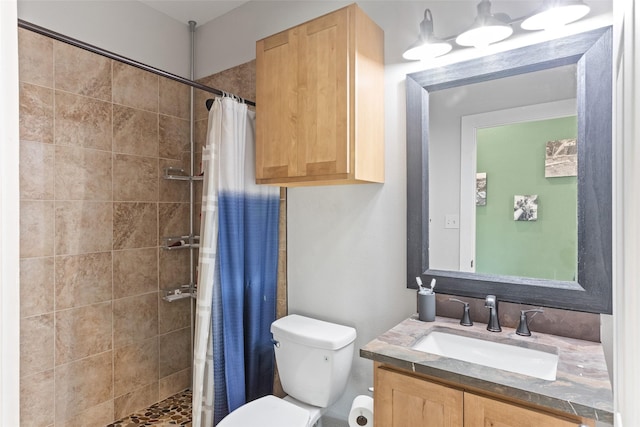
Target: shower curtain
236, 304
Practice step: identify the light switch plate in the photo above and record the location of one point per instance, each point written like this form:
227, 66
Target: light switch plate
452, 221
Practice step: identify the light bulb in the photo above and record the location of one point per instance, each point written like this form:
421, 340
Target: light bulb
427, 50
556, 15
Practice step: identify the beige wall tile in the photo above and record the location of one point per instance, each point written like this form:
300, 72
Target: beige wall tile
135, 272
197, 218
36, 399
173, 219
200, 134
135, 319
173, 269
135, 225
171, 190
82, 72
36, 113
98, 415
36, 228
36, 344
173, 315
83, 384
200, 103
198, 163
174, 383
83, 226
134, 87
83, 279
36, 58
135, 131
82, 122
173, 137
239, 80
82, 174
36, 286
109, 140
174, 98
135, 178
36, 171
82, 332
135, 366
175, 351
135, 400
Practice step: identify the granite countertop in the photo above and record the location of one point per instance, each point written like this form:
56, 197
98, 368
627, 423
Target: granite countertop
582, 385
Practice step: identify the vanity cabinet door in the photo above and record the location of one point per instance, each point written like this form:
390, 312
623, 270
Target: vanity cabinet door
319, 111
482, 411
405, 401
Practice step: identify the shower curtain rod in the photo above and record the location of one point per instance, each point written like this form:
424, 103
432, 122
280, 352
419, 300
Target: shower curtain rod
91, 48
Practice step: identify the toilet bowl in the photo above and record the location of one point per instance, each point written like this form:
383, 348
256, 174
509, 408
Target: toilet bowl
314, 361
268, 411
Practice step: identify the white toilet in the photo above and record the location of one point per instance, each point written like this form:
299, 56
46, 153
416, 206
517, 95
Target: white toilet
314, 360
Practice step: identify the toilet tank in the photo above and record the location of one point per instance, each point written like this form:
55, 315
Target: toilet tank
313, 357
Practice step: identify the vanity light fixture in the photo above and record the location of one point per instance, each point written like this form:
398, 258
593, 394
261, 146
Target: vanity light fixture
555, 13
427, 46
490, 28
487, 28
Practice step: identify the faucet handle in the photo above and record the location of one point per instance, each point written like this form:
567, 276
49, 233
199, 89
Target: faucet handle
523, 326
466, 318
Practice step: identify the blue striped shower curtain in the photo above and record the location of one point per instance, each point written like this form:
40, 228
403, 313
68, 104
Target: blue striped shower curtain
233, 354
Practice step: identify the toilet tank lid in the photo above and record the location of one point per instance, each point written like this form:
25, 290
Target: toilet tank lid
312, 332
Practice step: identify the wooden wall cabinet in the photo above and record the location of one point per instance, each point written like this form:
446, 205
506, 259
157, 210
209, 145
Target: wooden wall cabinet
320, 96
405, 400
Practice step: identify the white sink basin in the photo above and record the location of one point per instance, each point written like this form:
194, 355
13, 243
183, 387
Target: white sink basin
512, 358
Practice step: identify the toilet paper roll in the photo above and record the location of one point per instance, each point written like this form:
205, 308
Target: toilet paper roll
361, 414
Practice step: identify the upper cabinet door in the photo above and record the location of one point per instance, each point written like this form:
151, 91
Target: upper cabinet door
323, 97
314, 88
277, 89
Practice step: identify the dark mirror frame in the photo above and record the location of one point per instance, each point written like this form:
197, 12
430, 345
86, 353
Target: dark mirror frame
592, 53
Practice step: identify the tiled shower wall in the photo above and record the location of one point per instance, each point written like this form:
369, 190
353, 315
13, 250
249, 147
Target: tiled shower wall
97, 340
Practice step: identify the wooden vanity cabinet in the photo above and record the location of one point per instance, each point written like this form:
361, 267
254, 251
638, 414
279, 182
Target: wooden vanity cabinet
402, 399
319, 102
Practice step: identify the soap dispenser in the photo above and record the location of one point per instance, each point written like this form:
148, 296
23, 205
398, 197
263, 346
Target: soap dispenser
426, 301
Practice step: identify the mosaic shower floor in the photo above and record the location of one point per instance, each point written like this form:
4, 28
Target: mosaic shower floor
173, 411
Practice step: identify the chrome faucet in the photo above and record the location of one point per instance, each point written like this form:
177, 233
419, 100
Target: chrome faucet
491, 302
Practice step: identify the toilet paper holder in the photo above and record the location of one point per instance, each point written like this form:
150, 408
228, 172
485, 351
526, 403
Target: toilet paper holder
361, 413
361, 420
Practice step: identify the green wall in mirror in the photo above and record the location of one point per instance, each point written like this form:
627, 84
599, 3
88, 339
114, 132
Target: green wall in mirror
513, 157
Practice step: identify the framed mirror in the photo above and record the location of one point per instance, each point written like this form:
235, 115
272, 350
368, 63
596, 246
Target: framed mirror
590, 289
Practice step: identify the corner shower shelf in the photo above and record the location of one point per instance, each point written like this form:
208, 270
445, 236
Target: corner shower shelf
182, 292
178, 174
180, 242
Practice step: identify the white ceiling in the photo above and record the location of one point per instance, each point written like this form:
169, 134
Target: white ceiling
201, 11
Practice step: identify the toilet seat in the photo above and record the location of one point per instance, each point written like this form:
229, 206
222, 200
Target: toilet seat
268, 411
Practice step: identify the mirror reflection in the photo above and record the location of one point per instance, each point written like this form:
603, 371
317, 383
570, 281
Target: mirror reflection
497, 205
591, 53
